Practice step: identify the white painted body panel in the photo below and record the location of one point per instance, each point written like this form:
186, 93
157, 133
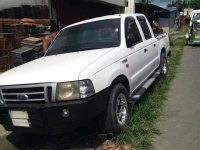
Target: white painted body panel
56, 68
101, 66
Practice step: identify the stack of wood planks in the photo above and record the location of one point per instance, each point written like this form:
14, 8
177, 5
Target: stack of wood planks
31, 49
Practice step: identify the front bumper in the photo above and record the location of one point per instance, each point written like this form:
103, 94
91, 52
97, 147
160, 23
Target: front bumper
49, 118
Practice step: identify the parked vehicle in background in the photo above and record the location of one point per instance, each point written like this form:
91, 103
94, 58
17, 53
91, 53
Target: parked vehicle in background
93, 69
195, 16
193, 36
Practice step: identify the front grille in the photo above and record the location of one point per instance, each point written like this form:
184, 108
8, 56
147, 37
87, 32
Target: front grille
27, 93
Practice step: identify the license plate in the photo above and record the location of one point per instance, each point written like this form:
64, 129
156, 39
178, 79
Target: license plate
20, 122
18, 114
19, 118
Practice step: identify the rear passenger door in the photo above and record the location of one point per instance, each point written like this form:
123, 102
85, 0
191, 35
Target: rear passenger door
150, 45
136, 55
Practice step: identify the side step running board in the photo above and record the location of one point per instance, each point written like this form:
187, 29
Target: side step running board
141, 91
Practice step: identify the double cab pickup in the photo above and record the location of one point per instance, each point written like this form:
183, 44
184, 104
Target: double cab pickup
93, 70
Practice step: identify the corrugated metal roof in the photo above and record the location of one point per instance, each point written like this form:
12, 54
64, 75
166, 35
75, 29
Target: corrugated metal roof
157, 8
171, 8
121, 3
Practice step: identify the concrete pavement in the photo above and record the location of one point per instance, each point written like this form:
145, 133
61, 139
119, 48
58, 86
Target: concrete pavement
180, 122
2, 130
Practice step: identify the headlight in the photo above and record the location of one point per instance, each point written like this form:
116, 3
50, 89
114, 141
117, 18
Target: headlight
68, 91
74, 90
86, 88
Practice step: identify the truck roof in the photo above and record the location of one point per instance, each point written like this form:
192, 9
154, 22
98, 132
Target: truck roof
104, 18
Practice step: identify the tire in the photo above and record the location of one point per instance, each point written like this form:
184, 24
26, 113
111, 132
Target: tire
163, 64
116, 117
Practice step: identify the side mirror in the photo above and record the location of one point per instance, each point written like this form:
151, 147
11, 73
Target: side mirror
130, 40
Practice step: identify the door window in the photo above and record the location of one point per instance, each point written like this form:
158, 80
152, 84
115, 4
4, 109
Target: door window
145, 28
133, 30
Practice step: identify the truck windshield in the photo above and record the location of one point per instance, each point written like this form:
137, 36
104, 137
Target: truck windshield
88, 36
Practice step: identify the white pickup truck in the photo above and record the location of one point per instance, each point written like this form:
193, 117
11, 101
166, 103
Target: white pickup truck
93, 69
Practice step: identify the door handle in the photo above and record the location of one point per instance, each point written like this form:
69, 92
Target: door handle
124, 61
145, 50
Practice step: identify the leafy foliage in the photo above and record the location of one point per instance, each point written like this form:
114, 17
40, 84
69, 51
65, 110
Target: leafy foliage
145, 1
195, 4
181, 4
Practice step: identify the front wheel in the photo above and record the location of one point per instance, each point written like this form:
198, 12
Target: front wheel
117, 113
163, 64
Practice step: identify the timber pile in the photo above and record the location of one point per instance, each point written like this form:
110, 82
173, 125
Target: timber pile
35, 44
14, 29
31, 49
13, 32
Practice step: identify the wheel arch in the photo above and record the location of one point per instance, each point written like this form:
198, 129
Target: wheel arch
123, 80
163, 50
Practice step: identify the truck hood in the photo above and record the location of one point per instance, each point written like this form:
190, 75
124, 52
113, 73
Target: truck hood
55, 68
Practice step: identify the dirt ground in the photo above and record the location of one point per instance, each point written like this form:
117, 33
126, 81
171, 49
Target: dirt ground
22, 141
80, 140
2, 130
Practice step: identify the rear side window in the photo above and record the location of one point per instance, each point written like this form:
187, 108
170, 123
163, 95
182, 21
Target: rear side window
145, 28
131, 28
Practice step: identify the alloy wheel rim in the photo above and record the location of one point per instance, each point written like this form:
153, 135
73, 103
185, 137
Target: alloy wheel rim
165, 67
121, 109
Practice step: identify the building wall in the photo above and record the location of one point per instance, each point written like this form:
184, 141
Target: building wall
70, 11
187, 11
16, 3
172, 21
131, 6
164, 23
168, 23
115, 2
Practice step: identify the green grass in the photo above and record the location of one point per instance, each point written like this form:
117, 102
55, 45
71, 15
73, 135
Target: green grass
179, 32
141, 127
5, 144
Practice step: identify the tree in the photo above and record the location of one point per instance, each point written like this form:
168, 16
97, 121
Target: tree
185, 4
195, 4
179, 4
145, 1
173, 4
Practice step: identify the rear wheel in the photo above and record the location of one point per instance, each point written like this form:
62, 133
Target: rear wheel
163, 64
117, 113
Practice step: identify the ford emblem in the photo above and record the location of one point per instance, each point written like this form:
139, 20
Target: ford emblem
22, 97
